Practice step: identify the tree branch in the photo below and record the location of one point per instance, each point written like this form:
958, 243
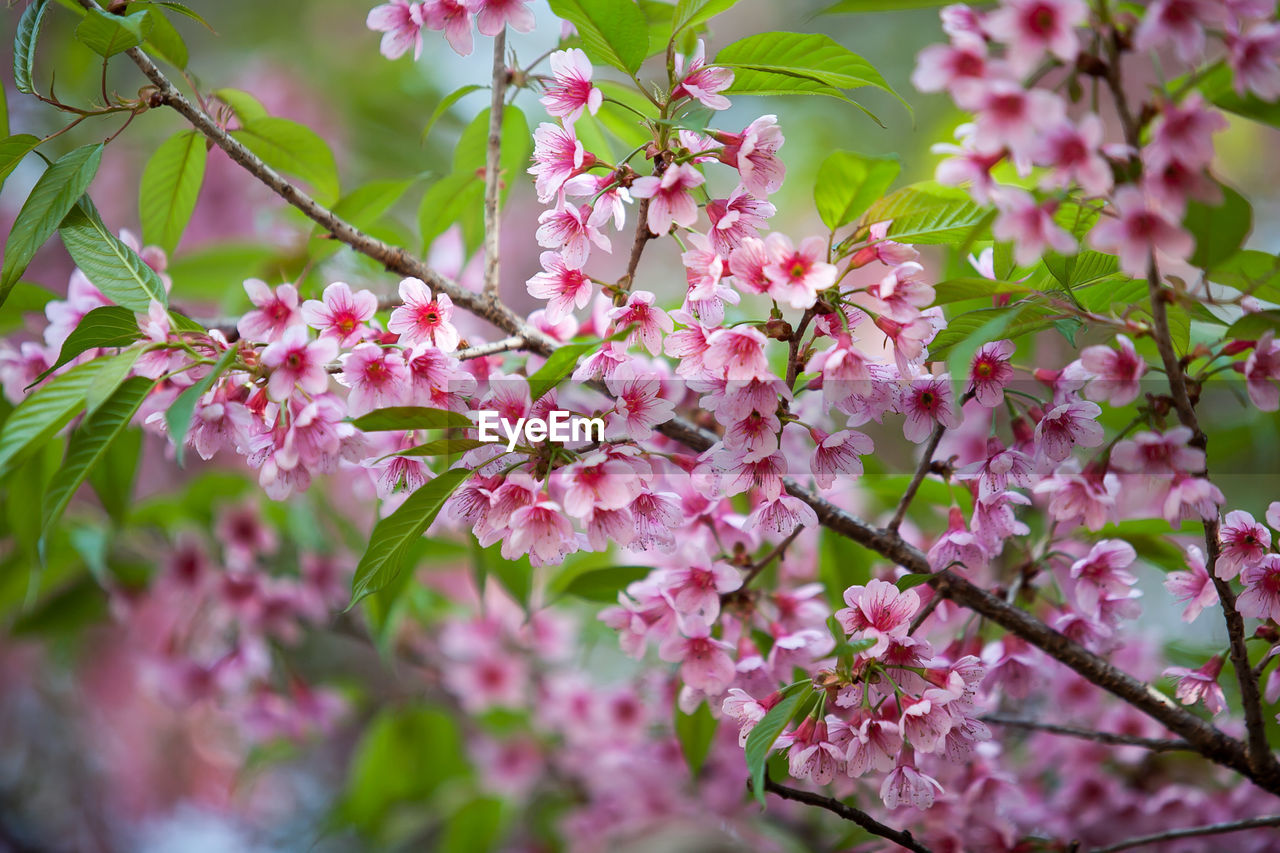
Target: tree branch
1192, 832
898, 836
493, 165
922, 470
1112, 738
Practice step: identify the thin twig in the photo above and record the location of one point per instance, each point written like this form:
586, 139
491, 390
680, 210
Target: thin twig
898, 836
642, 239
922, 470
493, 165
776, 554
1192, 832
1112, 738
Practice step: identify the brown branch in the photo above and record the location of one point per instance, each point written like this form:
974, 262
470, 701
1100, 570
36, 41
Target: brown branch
922, 470
641, 240
1192, 832
898, 836
1209, 741
1112, 738
493, 165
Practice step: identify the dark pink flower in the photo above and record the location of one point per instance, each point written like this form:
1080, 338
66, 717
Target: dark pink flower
990, 371
1261, 596
1067, 426
377, 377
273, 313
557, 157
1031, 28
928, 402
296, 361
797, 275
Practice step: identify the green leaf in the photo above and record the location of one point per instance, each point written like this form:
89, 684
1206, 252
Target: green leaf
88, 445
295, 149
392, 535
760, 741
1216, 86
469, 155
448, 101
113, 267
25, 298
1219, 229
246, 107
1019, 319
182, 9
808, 56
165, 40
972, 287
601, 585
960, 353
411, 417
24, 46
695, 13
1253, 272
442, 447
78, 606
177, 417
170, 185
51, 199
849, 183
927, 214
448, 201
1254, 325
113, 479
12, 150
107, 326
366, 204
612, 31
695, 732
47, 410
856, 6
113, 371
557, 366
1081, 269
106, 34
474, 828
908, 581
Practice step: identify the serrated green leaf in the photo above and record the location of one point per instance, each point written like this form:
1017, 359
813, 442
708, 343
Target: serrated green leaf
392, 535
973, 287
915, 579
448, 101
170, 186
295, 149
927, 214
396, 418
107, 34
24, 46
177, 417
88, 445
848, 183
12, 150
1254, 325
113, 371
112, 266
612, 31
695, 13
1081, 269
695, 733
760, 741
1018, 319
106, 326
165, 40
1252, 272
45, 411
246, 107
52, 198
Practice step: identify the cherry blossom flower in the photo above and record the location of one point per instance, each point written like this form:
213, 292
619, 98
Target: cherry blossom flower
295, 360
274, 312
878, 611
704, 661
639, 404
567, 228
1112, 375
377, 377
669, 199
571, 91
493, 15
1156, 453
1029, 226
558, 155
565, 287
737, 353
1031, 28
649, 321
1080, 497
1177, 22
454, 18
874, 745
541, 531
839, 454
740, 706
959, 68
782, 515
424, 318
900, 295
700, 82
1003, 468
1253, 56
1184, 132
1071, 150
1262, 370
1261, 596
811, 753
957, 546
1102, 572
907, 786
754, 153
797, 275
1137, 230
1193, 586
341, 314
735, 219
1067, 426
927, 403
402, 23
1200, 685
990, 371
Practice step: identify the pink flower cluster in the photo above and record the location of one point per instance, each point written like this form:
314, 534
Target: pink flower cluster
402, 22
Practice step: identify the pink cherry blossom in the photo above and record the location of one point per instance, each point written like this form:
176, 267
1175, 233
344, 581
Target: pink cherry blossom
735, 219
1029, 226
754, 153
900, 295
565, 287
907, 786
959, 68
402, 23
377, 377
781, 516
558, 155
1032, 28
1101, 572
541, 531
958, 546
274, 311
454, 18
1067, 426
839, 454
797, 275
927, 403
567, 229
878, 611
669, 199
1261, 596
639, 405
990, 371
701, 82
1193, 586
341, 314
1200, 685
1138, 229
1177, 22
1184, 132
295, 360
570, 91
875, 745
811, 753
1158, 453
1077, 497
1262, 370
1113, 375
704, 661
493, 15
424, 318
737, 354
696, 590
1071, 150
646, 320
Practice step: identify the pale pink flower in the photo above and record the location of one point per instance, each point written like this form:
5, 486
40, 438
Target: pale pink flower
1031, 28
838, 454
811, 754
700, 82
1273, 515
595, 481
565, 287
745, 711
957, 546
1067, 426
377, 377
402, 23
669, 199
900, 295
1102, 572
1191, 498
927, 402
1193, 586
1113, 374
454, 18
1029, 226
1184, 132
1200, 685
1137, 230
704, 661
647, 321
875, 745
1261, 596
754, 153
1076, 497
797, 275
274, 311
493, 15
423, 317
1002, 469
294, 359
994, 521
1071, 151
638, 406
781, 516
697, 589
1157, 453
341, 314
990, 371
926, 721
878, 611
1253, 56
737, 354
541, 531
566, 228
1009, 116
1261, 370
910, 339
736, 218
748, 262
959, 68
571, 91
1178, 22
558, 155
907, 786
965, 164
